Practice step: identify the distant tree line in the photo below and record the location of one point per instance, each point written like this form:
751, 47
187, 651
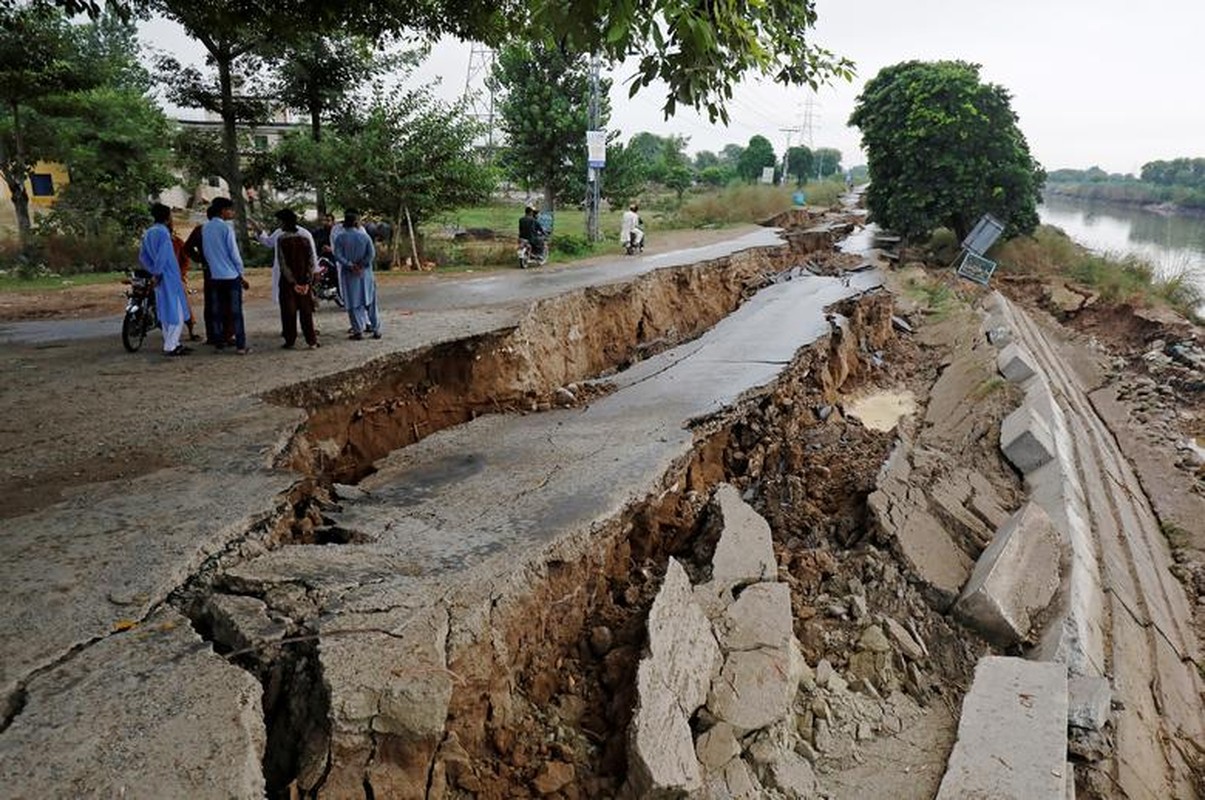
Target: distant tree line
1179, 181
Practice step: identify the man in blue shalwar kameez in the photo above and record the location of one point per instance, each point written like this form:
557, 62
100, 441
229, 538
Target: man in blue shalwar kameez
355, 255
159, 258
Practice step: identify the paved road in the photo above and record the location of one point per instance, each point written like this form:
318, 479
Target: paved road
501, 288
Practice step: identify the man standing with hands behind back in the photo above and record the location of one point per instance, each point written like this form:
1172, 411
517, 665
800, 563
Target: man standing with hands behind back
226, 267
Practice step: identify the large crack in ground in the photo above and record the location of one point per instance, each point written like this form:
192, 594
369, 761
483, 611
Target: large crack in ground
809, 471
358, 416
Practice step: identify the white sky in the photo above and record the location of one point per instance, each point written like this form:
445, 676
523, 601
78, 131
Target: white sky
1113, 83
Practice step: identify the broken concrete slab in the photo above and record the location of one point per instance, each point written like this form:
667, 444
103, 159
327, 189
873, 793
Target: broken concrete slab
926, 547
661, 751
760, 617
1090, 702
671, 684
240, 623
681, 644
1026, 439
73, 572
754, 689
1012, 735
1015, 363
1014, 579
745, 552
150, 712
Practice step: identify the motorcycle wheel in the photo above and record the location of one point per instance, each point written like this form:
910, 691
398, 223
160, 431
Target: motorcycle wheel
133, 329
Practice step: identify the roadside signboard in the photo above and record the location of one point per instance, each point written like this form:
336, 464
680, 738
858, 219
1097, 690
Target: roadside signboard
767, 174
976, 268
985, 233
596, 149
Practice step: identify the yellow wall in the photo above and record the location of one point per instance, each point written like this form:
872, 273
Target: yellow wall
58, 175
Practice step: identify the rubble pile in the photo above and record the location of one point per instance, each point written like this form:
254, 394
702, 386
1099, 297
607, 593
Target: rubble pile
727, 703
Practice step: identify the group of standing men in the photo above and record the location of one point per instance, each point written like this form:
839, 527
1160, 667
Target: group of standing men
297, 262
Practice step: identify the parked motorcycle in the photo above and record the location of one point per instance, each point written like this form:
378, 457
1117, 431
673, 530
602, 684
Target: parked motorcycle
141, 317
326, 282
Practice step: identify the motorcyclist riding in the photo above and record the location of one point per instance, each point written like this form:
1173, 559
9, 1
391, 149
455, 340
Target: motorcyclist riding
532, 235
631, 235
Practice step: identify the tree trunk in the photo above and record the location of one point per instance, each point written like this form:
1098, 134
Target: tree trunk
319, 180
548, 198
230, 154
16, 181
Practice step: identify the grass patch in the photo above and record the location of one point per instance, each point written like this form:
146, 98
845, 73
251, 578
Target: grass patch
1176, 536
1116, 278
988, 388
13, 282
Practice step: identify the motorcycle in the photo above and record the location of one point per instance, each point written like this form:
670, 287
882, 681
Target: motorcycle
140, 317
634, 244
326, 282
533, 254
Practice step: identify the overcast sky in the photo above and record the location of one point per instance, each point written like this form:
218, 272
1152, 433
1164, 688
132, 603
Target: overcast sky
1113, 83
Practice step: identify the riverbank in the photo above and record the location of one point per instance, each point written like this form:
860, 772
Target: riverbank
1155, 199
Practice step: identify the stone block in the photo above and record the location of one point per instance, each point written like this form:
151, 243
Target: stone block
671, 683
662, 752
1012, 735
1015, 363
760, 617
744, 553
681, 644
1014, 579
754, 690
716, 746
1090, 702
1026, 439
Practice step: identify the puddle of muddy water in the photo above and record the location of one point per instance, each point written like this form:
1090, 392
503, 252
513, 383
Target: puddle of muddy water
882, 411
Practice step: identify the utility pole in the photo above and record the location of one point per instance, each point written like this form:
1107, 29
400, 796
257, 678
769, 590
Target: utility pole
809, 121
786, 154
594, 170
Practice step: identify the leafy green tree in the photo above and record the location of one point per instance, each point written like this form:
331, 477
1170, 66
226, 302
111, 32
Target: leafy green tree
406, 157
316, 74
757, 155
40, 57
943, 148
624, 178
544, 115
115, 144
699, 50
800, 165
677, 173
828, 161
113, 138
705, 159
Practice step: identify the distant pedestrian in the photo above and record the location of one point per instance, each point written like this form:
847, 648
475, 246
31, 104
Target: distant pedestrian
293, 267
226, 268
355, 255
158, 257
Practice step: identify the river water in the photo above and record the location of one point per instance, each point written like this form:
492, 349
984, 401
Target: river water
1171, 243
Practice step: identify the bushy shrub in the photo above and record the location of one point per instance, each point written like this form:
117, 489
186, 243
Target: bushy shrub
60, 254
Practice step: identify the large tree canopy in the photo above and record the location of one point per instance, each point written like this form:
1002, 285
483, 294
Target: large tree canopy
699, 50
944, 148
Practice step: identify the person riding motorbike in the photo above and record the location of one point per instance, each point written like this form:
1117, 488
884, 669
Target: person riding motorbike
532, 234
631, 235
